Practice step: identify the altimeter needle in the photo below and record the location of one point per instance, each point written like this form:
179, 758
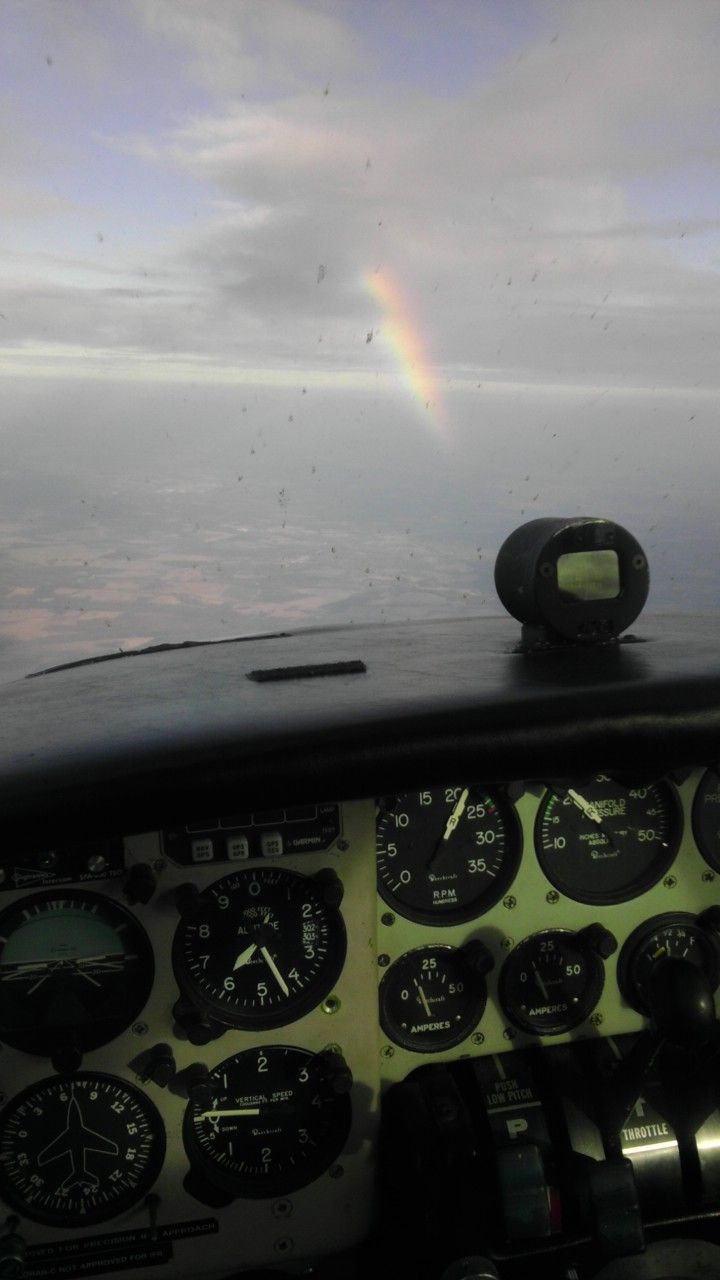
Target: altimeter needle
245, 956
275, 971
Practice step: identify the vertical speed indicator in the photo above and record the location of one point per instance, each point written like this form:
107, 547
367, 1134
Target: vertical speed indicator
447, 854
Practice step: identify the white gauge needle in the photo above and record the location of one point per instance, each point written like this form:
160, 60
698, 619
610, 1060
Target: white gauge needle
585, 806
456, 815
236, 1111
244, 956
541, 984
275, 971
423, 1001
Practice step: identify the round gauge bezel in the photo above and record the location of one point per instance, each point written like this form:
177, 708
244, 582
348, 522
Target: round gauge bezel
286, 1011
712, 859
444, 917
611, 897
285, 1181
591, 997
476, 997
635, 942
42, 1041
110, 1209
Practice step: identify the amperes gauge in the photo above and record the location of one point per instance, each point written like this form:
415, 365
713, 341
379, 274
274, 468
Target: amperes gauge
552, 980
260, 948
76, 968
447, 854
77, 1150
276, 1119
433, 997
604, 841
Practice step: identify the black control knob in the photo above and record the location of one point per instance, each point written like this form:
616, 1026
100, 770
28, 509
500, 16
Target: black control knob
332, 887
66, 1059
476, 958
186, 898
681, 1004
140, 884
197, 1027
336, 1071
599, 940
199, 1089
161, 1068
12, 1251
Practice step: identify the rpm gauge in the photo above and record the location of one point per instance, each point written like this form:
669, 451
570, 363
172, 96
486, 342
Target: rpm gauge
76, 969
262, 947
604, 841
446, 855
76, 1150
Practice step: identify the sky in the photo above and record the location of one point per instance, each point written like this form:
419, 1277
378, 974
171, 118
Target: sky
327, 273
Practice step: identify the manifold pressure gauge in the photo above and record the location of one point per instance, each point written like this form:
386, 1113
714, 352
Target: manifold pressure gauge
275, 1120
260, 948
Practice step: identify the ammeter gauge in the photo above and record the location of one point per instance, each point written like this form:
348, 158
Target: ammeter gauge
552, 981
447, 854
433, 997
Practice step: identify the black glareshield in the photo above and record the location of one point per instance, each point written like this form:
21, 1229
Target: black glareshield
583, 579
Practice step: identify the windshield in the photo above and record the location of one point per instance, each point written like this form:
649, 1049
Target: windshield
305, 306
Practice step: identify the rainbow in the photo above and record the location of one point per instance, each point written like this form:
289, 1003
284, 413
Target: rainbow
402, 334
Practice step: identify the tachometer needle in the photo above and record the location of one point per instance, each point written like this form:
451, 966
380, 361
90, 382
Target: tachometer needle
244, 956
275, 971
456, 815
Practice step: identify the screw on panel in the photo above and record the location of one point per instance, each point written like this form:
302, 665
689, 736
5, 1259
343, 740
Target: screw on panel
507, 944
510, 902
159, 865
638, 562
96, 863
477, 1037
552, 897
282, 1209
388, 918
387, 1051
342, 845
708, 877
330, 1004
140, 1028
284, 1245
336, 1171
509, 1033
332, 1048
596, 1020
546, 570
383, 960
670, 882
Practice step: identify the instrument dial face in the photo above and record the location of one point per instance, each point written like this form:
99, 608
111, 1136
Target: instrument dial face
430, 1000
550, 983
261, 948
673, 936
447, 854
274, 1124
706, 818
603, 841
76, 1150
76, 969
